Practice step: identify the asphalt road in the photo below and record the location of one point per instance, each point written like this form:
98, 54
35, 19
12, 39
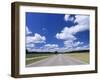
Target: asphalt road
57, 60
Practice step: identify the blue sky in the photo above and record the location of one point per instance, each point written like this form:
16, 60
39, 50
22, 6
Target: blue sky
56, 32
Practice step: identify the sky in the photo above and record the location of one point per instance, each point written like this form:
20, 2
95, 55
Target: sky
56, 32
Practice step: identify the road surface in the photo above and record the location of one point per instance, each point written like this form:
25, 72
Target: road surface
57, 60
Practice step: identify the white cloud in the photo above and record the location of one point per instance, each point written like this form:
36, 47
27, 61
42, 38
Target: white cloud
83, 24
28, 31
30, 45
37, 38
68, 33
55, 47
32, 40
65, 34
47, 48
67, 17
85, 47
82, 19
51, 46
70, 44
77, 43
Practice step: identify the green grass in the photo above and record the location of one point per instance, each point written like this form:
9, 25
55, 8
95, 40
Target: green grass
36, 55
31, 58
34, 60
81, 56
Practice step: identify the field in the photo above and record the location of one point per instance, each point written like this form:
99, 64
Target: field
30, 58
81, 56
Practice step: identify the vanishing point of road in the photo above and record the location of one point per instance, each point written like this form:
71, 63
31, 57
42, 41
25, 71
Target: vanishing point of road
57, 60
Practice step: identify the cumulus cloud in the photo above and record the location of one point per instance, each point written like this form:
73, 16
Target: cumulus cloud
30, 45
83, 24
65, 34
51, 46
68, 33
85, 47
72, 44
55, 47
82, 19
77, 43
68, 17
28, 31
47, 48
31, 41
37, 38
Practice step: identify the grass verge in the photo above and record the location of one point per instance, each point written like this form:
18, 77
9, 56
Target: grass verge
81, 56
35, 59
31, 58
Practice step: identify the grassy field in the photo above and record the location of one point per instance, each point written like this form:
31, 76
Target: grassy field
81, 56
36, 55
31, 58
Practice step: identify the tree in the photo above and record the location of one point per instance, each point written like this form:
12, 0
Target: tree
56, 52
26, 51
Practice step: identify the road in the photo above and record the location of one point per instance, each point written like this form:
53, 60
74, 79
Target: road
57, 60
